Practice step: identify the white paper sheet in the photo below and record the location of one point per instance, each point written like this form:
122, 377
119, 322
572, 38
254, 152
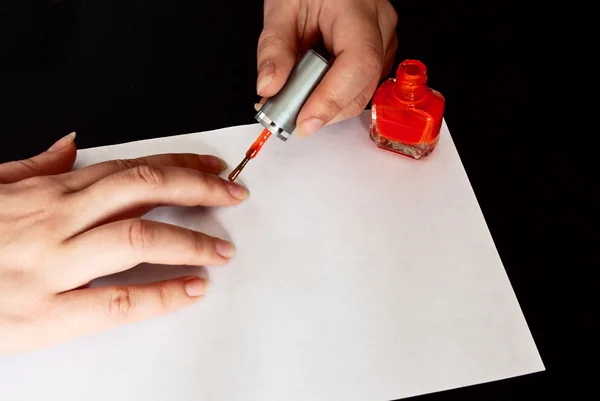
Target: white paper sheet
360, 275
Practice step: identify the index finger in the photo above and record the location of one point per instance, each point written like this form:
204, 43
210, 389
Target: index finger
358, 47
83, 178
148, 185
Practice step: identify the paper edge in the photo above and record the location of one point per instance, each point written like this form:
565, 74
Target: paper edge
482, 215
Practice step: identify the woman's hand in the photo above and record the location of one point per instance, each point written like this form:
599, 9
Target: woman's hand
361, 34
59, 230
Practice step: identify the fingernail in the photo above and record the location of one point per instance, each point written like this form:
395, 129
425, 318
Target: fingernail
195, 287
257, 106
299, 134
62, 143
266, 72
309, 127
237, 191
214, 162
224, 248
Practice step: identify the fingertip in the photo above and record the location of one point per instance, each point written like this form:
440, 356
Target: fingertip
224, 248
274, 71
68, 153
309, 127
195, 287
63, 143
238, 191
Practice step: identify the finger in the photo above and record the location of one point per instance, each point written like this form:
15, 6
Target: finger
149, 185
123, 244
58, 159
261, 102
390, 57
80, 179
388, 20
358, 47
357, 105
277, 47
91, 310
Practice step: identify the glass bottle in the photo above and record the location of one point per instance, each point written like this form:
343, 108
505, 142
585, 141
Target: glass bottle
406, 115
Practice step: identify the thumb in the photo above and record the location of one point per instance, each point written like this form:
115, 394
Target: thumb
56, 160
91, 310
277, 48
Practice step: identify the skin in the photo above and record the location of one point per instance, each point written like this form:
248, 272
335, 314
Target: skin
361, 34
50, 249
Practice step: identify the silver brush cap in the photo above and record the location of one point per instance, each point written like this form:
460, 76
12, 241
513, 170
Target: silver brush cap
280, 112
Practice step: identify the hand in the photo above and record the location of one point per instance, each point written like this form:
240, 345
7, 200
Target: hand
361, 34
59, 230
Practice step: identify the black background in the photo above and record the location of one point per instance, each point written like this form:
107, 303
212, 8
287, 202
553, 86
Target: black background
118, 71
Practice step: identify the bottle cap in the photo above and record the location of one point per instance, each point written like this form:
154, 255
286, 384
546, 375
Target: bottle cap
279, 113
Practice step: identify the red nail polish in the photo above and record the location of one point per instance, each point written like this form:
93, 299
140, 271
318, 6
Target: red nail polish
406, 115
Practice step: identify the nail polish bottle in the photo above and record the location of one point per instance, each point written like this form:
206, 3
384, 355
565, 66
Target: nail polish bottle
406, 115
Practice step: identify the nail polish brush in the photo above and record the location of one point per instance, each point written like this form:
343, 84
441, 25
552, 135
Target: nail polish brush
279, 113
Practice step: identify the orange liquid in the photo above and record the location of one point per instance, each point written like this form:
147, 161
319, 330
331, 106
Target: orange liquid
251, 153
258, 144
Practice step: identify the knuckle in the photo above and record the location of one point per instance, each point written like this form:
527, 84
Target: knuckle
35, 182
140, 234
358, 104
332, 105
121, 302
392, 15
29, 164
362, 100
164, 298
40, 185
387, 12
151, 175
126, 164
200, 245
371, 61
209, 184
213, 185
269, 40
